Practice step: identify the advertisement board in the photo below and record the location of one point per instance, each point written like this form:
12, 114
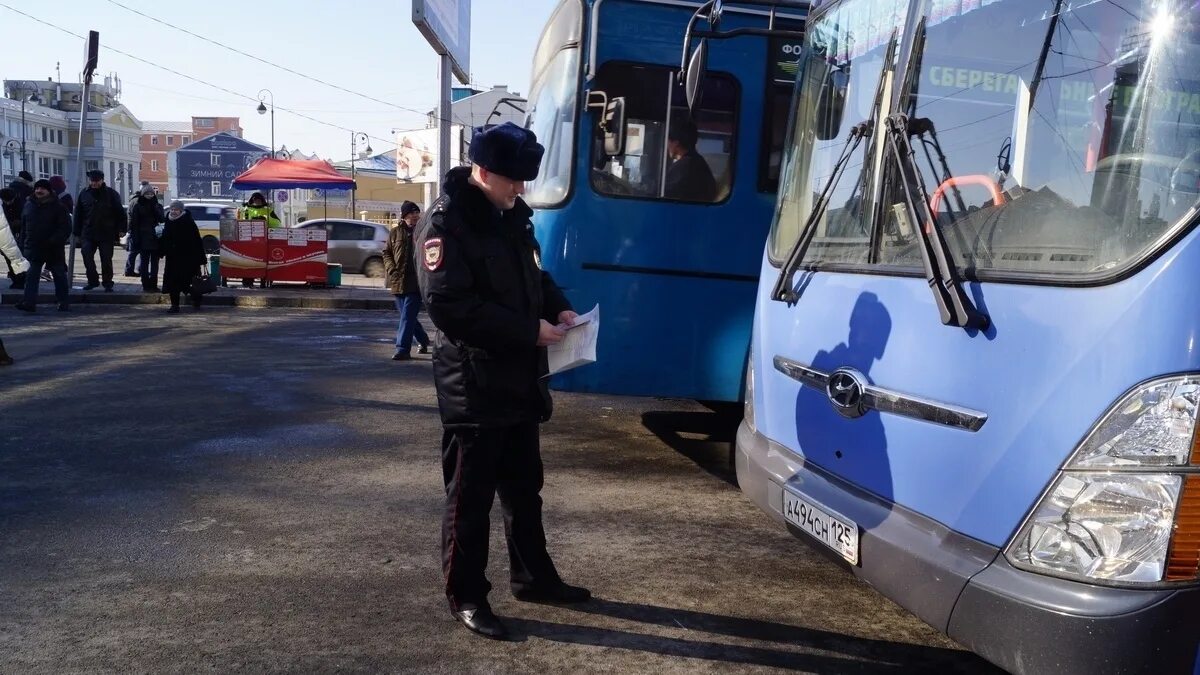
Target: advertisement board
446, 24
417, 155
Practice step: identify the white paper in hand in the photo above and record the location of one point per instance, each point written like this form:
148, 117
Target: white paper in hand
578, 348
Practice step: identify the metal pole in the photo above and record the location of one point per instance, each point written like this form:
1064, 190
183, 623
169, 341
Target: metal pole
24, 157
272, 126
83, 113
443, 121
354, 188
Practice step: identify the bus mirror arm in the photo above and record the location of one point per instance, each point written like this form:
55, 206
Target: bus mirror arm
711, 12
612, 121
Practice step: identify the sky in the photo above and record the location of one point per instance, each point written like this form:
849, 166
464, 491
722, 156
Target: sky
368, 47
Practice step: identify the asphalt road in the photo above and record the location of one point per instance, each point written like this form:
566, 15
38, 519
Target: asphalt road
241, 490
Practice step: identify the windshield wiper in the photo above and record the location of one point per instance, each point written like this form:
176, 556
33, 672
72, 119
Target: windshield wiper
785, 285
785, 290
954, 305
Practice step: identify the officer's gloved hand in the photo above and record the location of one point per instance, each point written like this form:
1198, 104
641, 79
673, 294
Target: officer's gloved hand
549, 334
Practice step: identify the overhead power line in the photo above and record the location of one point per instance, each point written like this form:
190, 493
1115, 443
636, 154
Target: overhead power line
264, 61
189, 77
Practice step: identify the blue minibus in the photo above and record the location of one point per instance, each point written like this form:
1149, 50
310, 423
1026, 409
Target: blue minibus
974, 374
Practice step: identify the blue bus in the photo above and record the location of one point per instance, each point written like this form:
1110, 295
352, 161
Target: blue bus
655, 211
974, 377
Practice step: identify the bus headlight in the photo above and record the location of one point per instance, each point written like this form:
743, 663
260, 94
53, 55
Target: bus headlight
748, 395
1126, 508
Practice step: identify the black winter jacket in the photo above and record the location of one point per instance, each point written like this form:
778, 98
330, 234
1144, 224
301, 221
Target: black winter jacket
480, 279
145, 215
46, 227
99, 215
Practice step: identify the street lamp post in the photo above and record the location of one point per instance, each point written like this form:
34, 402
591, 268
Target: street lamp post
35, 99
11, 148
354, 136
262, 110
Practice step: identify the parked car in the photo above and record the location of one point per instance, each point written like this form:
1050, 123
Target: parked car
356, 245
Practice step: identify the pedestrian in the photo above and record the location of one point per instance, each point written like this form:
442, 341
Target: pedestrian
12, 253
59, 186
100, 220
401, 273
146, 215
47, 227
22, 185
181, 246
256, 208
11, 208
495, 311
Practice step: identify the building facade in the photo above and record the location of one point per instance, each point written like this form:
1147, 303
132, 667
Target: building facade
205, 168
159, 142
474, 108
111, 137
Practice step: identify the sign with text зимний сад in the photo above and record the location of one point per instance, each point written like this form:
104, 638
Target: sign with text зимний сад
446, 24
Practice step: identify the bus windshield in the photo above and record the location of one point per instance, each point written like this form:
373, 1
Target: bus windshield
552, 106
1051, 138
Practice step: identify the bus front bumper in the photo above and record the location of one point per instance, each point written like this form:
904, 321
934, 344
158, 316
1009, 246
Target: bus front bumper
1022, 622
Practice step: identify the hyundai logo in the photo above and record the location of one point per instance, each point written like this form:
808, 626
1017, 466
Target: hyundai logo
845, 391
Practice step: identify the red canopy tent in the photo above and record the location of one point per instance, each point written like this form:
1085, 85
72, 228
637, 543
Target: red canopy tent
251, 250
283, 174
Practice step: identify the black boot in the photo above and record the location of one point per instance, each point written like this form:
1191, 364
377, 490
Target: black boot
482, 621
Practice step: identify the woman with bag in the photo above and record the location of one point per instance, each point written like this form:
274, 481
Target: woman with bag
183, 250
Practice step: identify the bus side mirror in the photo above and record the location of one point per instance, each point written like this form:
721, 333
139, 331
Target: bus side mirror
612, 123
831, 101
693, 82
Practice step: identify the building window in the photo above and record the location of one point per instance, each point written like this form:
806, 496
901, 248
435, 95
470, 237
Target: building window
45, 135
44, 167
214, 160
205, 123
216, 189
186, 140
154, 140
60, 137
91, 164
154, 165
170, 140
59, 168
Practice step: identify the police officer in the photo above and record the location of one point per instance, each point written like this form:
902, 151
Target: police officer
495, 311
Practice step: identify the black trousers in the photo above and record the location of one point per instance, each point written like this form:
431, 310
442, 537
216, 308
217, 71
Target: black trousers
477, 464
105, 248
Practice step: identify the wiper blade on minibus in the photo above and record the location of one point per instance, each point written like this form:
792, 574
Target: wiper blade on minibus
954, 305
785, 290
785, 285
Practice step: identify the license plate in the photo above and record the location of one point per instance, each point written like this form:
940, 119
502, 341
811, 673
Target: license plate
836, 532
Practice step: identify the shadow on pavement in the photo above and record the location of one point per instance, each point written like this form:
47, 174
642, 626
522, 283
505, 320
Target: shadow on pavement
706, 438
844, 653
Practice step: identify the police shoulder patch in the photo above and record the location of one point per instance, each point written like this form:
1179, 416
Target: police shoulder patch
433, 254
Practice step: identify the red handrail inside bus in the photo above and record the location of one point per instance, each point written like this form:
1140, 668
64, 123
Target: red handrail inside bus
970, 179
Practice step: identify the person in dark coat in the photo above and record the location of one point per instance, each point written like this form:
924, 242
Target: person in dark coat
11, 208
58, 185
47, 227
689, 177
495, 311
401, 272
181, 246
100, 220
22, 185
144, 217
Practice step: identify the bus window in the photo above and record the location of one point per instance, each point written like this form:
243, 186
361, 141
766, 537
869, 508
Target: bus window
779, 98
668, 153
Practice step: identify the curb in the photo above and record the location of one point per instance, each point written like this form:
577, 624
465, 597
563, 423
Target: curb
215, 300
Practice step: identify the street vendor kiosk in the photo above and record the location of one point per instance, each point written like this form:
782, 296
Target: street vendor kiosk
252, 250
